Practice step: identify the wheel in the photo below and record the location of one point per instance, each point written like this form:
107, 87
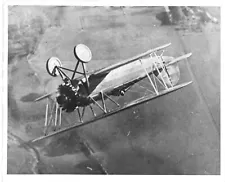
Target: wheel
51, 65
82, 53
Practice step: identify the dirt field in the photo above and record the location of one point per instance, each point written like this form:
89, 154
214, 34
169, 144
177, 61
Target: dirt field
175, 134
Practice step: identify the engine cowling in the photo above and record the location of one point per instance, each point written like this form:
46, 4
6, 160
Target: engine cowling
69, 97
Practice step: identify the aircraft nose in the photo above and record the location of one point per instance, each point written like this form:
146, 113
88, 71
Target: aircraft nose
61, 99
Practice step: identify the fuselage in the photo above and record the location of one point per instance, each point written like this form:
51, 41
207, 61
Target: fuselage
127, 74
114, 82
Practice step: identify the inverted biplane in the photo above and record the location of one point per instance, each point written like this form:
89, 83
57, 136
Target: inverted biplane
96, 89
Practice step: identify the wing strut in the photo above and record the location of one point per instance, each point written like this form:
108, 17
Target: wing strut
156, 91
160, 58
95, 102
92, 110
79, 114
103, 107
111, 99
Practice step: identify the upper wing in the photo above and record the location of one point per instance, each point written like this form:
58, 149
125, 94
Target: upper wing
132, 59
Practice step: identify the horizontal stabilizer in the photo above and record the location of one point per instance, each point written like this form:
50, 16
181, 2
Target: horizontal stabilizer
45, 96
176, 60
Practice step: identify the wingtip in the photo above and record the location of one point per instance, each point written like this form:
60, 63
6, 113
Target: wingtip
189, 54
188, 83
36, 100
168, 44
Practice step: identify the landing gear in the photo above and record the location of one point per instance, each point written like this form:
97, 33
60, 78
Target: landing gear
51, 65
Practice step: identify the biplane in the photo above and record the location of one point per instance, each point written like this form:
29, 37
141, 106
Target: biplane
94, 90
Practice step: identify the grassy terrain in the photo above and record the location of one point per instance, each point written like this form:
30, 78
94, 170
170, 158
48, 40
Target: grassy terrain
175, 134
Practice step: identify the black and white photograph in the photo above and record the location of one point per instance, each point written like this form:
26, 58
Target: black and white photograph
113, 90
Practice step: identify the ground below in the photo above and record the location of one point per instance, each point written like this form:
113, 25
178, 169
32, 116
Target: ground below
175, 134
